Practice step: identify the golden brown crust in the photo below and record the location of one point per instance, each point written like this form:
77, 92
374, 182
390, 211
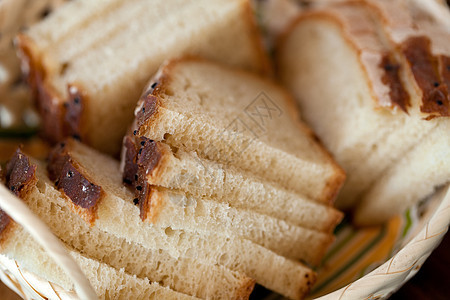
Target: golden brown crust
60, 117
373, 71
47, 100
391, 77
74, 182
428, 75
444, 62
334, 218
150, 159
20, 174
74, 112
333, 184
405, 30
144, 160
164, 155
129, 157
7, 234
20, 178
311, 278
247, 286
147, 109
153, 204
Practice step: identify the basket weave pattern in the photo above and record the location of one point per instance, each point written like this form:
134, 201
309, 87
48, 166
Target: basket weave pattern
389, 277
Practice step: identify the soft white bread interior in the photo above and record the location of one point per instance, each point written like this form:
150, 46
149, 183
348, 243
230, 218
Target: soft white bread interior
52, 206
415, 176
89, 61
124, 241
236, 118
169, 208
367, 127
108, 282
179, 211
186, 171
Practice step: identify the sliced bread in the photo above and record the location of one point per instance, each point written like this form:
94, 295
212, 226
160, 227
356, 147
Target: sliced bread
239, 119
199, 177
414, 177
108, 282
156, 264
88, 62
177, 210
373, 108
124, 241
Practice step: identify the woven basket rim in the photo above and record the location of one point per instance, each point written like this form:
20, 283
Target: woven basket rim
392, 274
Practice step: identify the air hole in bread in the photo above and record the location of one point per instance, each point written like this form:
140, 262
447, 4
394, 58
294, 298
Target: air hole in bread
168, 231
167, 136
223, 258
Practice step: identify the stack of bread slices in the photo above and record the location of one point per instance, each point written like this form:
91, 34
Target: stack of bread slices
205, 226
88, 61
216, 149
378, 73
220, 184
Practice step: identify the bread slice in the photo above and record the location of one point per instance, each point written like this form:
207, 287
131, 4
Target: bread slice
427, 73
420, 51
88, 62
199, 177
169, 208
124, 241
237, 119
415, 176
108, 282
368, 99
155, 263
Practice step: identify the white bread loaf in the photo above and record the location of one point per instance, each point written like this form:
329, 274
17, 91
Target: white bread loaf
199, 177
89, 61
238, 119
156, 264
108, 282
126, 242
375, 109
